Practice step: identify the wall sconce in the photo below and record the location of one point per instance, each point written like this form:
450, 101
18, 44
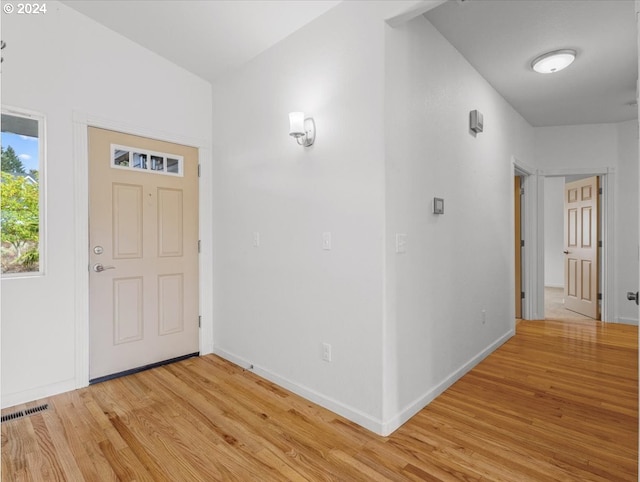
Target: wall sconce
476, 121
303, 130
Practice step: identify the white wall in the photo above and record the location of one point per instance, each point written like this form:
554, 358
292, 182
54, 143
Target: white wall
459, 263
57, 64
580, 146
626, 236
277, 303
553, 232
598, 146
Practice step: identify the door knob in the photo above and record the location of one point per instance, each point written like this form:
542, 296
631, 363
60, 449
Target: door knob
98, 268
566, 251
631, 296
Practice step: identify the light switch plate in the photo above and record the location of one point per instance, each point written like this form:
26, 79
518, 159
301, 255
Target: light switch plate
401, 243
326, 241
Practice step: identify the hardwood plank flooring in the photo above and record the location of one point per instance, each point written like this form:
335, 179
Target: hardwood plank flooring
559, 401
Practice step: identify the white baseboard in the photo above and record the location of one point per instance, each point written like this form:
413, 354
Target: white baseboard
413, 408
17, 398
552, 285
350, 413
356, 416
627, 321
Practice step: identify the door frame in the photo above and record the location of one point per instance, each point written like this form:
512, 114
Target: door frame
528, 229
606, 271
533, 235
518, 180
81, 122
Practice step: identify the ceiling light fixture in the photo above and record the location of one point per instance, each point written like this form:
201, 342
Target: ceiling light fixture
552, 62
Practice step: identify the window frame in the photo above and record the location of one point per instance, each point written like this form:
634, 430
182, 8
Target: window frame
42, 187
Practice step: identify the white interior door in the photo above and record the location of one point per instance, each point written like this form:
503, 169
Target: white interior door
581, 215
143, 235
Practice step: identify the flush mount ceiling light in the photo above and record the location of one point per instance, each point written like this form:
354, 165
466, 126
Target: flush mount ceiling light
552, 62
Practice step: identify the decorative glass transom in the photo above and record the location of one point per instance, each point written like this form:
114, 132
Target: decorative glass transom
135, 159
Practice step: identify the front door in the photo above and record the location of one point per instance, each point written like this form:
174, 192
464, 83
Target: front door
143, 235
581, 246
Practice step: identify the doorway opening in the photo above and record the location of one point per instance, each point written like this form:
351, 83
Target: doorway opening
573, 259
518, 193
143, 234
525, 187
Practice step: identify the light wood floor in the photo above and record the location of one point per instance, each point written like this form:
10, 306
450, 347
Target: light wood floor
556, 402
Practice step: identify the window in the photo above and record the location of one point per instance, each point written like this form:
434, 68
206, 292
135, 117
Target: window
22, 192
159, 162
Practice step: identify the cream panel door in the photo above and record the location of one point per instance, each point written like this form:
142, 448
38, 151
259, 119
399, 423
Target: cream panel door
581, 246
144, 233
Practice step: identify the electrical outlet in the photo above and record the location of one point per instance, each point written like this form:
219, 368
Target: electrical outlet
326, 352
256, 239
484, 316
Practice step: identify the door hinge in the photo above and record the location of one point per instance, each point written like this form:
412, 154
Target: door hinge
599, 244
522, 191
199, 245
198, 170
199, 321
600, 296
599, 190
522, 243
522, 295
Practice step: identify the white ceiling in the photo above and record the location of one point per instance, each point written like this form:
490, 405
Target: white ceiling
207, 37
500, 39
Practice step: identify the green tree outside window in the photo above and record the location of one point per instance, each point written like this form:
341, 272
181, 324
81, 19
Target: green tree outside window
20, 191
19, 222
11, 162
